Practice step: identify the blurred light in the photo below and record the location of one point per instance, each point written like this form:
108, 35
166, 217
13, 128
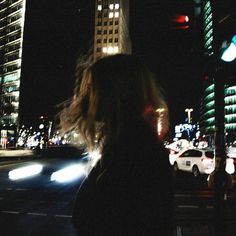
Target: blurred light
229, 167
95, 156
99, 7
230, 53
25, 172
111, 6
69, 173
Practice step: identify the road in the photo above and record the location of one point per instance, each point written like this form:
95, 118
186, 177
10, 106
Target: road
36, 205
194, 208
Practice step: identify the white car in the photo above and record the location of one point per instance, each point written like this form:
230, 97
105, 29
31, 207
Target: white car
196, 161
174, 154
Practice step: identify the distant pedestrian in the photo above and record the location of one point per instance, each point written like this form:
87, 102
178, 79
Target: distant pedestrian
118, 108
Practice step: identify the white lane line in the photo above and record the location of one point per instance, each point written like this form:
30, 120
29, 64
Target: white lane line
63, 216
188, 206
21, 189
8, 189
11, 212
182, 195
36, 214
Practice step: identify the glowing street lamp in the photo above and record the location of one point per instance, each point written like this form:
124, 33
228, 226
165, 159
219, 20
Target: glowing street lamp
189, 110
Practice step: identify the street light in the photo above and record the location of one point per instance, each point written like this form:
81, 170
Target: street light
189, 110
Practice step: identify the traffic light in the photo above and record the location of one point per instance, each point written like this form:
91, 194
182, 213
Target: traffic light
180, 21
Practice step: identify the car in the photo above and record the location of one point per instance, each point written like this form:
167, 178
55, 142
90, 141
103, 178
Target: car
196, 161
173, 154
63, 151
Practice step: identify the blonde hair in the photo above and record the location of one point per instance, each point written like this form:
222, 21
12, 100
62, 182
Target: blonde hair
110, 94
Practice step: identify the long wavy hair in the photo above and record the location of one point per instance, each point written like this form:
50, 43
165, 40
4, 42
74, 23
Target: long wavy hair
109, 95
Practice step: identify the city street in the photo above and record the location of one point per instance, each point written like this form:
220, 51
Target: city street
38, 206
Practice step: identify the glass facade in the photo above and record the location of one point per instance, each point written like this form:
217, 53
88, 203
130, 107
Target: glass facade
12, 15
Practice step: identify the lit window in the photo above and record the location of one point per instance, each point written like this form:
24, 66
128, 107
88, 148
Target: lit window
110, 50
99, 7
104, 50
116, 49
111, 15
116, 14
117, 6
111, 6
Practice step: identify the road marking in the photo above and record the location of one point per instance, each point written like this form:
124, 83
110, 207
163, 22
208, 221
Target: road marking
11, 212
188, 206
21, 189
63, 216
210, 207
183, 195
8, 189
36, 214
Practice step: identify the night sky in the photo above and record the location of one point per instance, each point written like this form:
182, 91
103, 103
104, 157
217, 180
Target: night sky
58, 31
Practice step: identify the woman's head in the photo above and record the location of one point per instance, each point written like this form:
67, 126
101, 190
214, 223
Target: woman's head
113, 92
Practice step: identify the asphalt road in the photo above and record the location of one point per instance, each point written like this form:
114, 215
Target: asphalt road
38, 206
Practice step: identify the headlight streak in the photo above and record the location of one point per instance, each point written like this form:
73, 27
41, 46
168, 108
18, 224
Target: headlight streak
25, 172
69, 173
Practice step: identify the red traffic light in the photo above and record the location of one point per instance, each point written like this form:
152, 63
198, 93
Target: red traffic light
180, 21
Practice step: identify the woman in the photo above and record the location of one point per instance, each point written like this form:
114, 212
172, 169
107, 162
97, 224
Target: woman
129, 192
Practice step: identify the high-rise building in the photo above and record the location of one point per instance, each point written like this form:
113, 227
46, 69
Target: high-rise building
218, 21
111, 34
12, 15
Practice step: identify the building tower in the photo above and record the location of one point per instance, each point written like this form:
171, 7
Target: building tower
12, 14
218, 21
111, 34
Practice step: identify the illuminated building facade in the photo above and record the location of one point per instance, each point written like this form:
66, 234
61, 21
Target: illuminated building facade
12, 14
111, 34
218, 20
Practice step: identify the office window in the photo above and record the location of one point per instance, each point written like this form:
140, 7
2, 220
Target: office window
110, 40
110, 31
105, 23
105, 31
116, 14
99, 7
116, 31
104, 40
111, 6
116, 40
99, 41
111, 14
105, 14
99, 32
99, 49
110, 22
117, 6
116, 22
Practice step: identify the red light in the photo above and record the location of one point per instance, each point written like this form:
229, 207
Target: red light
180, 19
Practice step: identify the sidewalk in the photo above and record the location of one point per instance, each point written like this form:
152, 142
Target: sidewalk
16, 153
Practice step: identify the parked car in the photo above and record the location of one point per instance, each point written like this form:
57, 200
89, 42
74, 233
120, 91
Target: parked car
196, 161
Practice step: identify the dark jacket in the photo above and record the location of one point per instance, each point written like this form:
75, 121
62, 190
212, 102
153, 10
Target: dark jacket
130, 195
